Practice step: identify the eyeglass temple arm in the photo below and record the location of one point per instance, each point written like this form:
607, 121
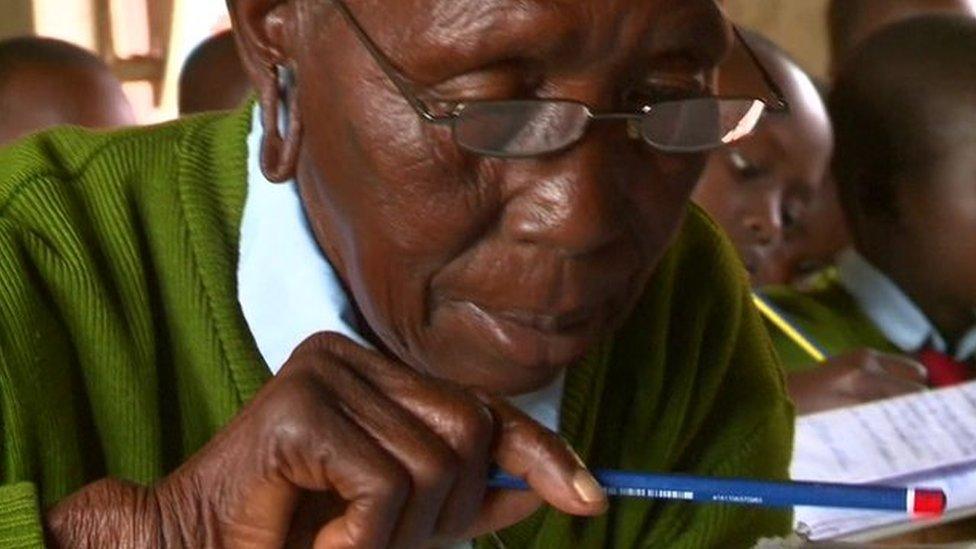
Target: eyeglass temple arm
386, 66
781, 104
424, 112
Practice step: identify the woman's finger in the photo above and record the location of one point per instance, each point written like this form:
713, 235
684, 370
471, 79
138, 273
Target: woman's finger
529, 451
459, 419
430, 463
320, 449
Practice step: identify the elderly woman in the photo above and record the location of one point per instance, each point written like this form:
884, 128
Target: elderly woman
480, 229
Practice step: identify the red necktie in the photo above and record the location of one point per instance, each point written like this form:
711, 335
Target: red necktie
943, 370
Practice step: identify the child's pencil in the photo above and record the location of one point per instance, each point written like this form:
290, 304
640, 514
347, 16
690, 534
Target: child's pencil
771, 313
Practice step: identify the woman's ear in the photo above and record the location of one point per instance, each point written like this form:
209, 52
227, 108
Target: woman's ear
282, 126
263, 30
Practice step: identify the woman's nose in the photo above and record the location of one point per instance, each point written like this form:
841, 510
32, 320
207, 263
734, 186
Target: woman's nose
576, 205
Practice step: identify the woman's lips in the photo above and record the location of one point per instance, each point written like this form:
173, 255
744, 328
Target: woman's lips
547, 323
529, 338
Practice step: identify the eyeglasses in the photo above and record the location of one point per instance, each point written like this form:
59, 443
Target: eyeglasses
535, 127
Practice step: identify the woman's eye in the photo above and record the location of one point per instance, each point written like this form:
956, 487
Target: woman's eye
447, 100
496, 82
637, 97
443, 107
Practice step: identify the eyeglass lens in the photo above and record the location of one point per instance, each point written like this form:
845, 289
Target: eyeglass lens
695, 125
520, 128
529, 128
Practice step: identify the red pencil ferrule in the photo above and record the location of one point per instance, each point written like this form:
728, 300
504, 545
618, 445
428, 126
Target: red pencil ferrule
929, 502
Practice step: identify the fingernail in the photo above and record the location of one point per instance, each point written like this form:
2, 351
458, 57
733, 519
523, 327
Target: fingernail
579, 461
587, 487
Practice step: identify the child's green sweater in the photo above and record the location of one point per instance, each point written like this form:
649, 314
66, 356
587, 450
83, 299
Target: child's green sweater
123, 348
828, 315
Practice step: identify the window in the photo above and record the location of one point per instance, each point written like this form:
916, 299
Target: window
144, 41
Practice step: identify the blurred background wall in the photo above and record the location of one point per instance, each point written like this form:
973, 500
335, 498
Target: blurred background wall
146, 41
16, 17
800, 26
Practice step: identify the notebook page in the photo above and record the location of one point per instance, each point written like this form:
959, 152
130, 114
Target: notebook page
888, 439
925, 440
859, 525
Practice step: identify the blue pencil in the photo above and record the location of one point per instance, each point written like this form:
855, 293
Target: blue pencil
917, 501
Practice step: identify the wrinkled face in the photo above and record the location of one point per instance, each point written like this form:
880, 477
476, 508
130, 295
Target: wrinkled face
495, 273
761, 191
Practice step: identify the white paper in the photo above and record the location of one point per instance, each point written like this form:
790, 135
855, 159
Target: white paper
921, 440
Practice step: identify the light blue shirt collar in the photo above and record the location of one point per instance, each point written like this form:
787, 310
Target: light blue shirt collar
288, 290
892, 311
286, 287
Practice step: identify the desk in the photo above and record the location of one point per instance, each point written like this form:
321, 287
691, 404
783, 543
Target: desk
953, 532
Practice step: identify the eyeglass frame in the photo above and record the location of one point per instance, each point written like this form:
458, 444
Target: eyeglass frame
780, 104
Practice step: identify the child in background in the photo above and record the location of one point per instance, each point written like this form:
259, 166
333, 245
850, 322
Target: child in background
904, 111
46, 82
760, 189
851, 21
213, 78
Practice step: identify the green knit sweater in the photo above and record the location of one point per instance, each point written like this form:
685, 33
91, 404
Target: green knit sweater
123, 348
826, 314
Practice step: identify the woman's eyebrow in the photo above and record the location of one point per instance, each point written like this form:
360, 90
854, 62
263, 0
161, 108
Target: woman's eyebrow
456, 44
704, 51
486, 40
699, 34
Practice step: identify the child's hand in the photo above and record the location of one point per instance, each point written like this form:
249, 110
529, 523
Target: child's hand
854, 378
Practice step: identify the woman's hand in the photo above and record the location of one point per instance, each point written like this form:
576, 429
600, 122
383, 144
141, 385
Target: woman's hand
854, 378
344, 448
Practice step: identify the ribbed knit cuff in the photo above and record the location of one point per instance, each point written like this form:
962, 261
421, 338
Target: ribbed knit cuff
20, 516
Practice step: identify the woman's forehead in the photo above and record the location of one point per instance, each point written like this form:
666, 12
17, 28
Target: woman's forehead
430, 36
